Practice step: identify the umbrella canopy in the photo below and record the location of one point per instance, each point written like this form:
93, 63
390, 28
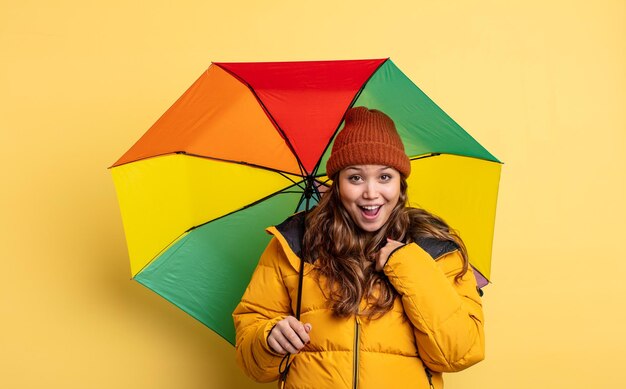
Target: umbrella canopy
237, 151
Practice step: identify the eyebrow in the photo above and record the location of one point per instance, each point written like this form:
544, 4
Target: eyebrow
359, 169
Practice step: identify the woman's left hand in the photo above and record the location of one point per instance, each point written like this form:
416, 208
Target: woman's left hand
383, 254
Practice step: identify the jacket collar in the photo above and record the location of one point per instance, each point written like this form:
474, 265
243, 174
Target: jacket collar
290, 234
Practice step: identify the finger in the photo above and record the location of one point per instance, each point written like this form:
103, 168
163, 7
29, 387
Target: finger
301, 331
308, 327
302, 334
383, 255
274, 345
385, 252
295, 338
286, 343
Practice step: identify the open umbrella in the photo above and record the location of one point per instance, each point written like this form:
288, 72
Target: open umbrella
246, 145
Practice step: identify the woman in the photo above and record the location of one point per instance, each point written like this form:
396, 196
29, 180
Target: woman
388, 301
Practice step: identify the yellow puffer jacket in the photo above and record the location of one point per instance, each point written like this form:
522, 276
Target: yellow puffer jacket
436, 325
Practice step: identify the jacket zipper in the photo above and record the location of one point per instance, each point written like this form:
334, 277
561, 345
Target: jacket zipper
355, 370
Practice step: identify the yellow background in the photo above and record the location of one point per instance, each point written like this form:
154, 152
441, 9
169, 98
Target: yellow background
541, 84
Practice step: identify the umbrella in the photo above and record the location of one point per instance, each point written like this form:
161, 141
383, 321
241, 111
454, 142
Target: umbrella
245, 147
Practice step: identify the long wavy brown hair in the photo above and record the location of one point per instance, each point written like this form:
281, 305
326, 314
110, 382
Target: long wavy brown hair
346, 255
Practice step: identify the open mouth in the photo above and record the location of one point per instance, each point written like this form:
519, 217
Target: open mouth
370, 211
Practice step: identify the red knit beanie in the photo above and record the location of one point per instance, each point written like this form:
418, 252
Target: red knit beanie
369, 137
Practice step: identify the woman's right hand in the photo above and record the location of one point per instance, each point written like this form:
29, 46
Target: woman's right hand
289, 335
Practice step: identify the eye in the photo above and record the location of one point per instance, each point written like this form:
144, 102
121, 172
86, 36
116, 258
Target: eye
385, 177
354, 178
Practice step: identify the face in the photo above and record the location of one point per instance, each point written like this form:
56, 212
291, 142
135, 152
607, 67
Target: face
369, 193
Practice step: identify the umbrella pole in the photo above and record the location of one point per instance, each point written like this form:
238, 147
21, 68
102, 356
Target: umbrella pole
285, 363
308, 193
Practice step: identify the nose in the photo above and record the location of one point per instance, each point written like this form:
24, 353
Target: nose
370, 191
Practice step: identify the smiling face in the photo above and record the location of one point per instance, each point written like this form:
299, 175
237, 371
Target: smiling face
369, 193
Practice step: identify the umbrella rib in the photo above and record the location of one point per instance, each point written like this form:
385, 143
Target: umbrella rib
245, 207
425, 156
436, 154
325, 181
299, 204
157, 255
281, 172
166, 247
354, 99
270, 117
288, 178
316, 195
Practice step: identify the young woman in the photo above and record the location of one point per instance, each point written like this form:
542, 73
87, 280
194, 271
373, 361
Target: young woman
387, 297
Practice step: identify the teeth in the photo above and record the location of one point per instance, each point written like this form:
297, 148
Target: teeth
370, 207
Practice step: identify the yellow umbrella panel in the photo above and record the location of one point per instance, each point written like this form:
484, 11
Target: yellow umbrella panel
163, 197
462, 191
